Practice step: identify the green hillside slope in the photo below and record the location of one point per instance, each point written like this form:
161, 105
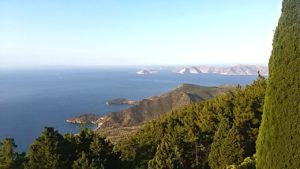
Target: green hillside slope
194, 137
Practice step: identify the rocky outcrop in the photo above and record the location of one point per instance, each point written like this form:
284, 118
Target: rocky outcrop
122, 101
85, 119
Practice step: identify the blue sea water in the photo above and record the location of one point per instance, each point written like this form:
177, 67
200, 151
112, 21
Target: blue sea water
33, 99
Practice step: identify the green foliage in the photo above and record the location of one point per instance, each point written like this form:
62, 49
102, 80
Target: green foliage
82, 162
248, 163
166, 156
278, 145
9, 159
226, 148
48, 151
86, 150
169, 141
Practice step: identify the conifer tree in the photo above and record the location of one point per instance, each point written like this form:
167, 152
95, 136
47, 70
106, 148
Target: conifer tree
165, 157
226, 148
48, 151
278, 144
9, 159
84, 163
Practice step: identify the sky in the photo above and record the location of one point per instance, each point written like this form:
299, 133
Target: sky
136, 32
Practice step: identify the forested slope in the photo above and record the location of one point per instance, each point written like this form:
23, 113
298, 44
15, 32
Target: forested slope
221, 131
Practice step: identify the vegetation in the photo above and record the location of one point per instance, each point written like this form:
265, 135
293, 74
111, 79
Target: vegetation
216, 133
9, 159
211, 134
51, 150
278, 146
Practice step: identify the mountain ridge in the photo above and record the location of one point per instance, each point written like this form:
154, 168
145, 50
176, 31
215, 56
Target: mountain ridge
238, 69
152, 107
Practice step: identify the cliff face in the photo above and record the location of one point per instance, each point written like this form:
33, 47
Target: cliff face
153, 107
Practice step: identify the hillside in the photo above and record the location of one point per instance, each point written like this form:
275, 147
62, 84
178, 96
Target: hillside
153, 107
214, 134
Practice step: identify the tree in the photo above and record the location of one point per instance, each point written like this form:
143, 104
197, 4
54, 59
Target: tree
226, 148
84, 163
166, 157
101, 153
9, 159
96, 152
48, 151
278, 144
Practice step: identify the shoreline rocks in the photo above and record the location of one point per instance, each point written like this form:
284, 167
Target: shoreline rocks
88, 118
122, 101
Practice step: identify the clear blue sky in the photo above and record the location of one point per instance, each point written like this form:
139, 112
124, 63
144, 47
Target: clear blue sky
136, 32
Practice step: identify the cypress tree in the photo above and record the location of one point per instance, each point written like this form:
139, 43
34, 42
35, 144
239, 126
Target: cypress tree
278, 144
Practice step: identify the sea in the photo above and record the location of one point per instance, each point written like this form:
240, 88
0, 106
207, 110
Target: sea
31, 99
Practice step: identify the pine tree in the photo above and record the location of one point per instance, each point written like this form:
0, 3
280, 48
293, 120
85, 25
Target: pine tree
166, 157
9, 159
96, 152
84, 163
226, 148
101, 152
48, 151
278, 144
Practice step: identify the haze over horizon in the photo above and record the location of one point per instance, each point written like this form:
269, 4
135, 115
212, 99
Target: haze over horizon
75, 33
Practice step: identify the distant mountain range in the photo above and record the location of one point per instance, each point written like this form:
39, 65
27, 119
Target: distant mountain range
223, 70
230, 70
236, 70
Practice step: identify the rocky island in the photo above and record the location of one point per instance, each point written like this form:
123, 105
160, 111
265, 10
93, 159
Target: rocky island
143, 72
122, 101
